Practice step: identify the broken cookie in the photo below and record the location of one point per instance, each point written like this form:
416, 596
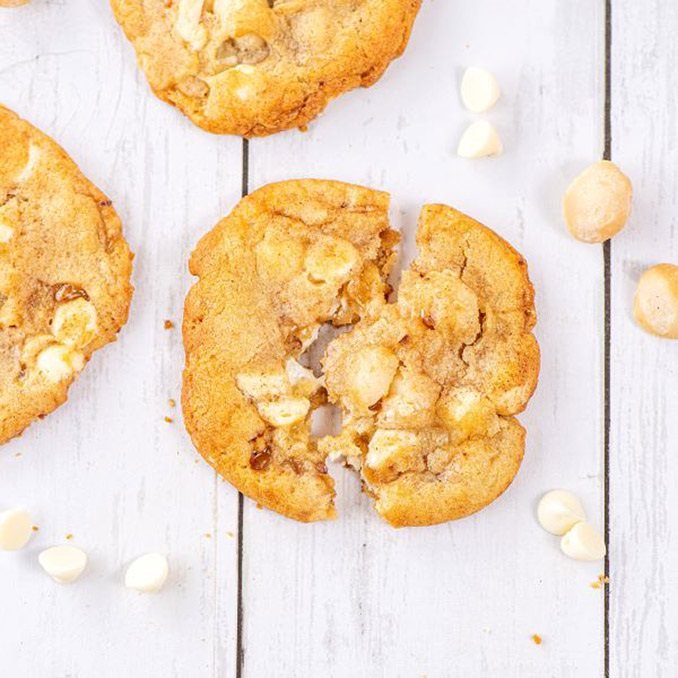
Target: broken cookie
456, 359
427, 386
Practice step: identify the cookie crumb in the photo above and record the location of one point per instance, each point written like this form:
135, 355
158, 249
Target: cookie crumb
169, 325
208, 535
536, 639
172, 403
69, 536
230, 534
19, 454
35, 528
169, 420
600, 583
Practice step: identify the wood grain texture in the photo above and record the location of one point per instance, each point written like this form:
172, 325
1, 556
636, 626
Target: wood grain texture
355, 597
644, 432
106, 467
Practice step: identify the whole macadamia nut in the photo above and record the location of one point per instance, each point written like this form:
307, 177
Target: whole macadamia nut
655, 306
597, 203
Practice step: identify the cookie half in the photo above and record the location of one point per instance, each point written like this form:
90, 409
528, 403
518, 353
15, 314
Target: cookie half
289, 258
428, 389
255, 67
427, 385
64, 273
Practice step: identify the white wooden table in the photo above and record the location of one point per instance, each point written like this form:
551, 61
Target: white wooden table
354, 597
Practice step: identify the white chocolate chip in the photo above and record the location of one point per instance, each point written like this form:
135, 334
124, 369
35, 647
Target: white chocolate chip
480, 140
597, 203
9, 217
244, 91
389, 447
583, 542
372, 371
6, 233
58, 362
559, 511
284, 411
466, 413
245, 69
655, 305
410, 401
63, 563
188, 24
34, 154
303, 379
331, 260
479, 89
147, 573
75, 322
296, 372
262, 384
16, 529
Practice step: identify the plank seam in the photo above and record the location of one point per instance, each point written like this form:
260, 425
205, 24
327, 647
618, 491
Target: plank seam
240, 649
607, 258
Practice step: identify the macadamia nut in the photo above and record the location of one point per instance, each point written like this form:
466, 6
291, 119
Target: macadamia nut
597, 203
655, 306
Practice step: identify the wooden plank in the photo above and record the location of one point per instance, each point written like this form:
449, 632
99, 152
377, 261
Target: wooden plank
355, 597
106, 467
644, 431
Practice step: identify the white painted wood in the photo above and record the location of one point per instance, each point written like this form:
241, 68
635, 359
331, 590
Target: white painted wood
355, 597
644, 432
106, 467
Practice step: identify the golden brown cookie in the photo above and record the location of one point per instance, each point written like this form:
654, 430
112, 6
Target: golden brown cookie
64, 273
428, 388
289, 258
427, 385
255, 67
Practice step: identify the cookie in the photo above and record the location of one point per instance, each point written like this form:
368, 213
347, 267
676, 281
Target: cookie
255, 67
289, 258
428, 385
64, 274
429, 388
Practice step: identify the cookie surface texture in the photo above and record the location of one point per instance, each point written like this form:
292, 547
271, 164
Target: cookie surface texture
64, 273
427, 386
288, 259
428, 389
255, 67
